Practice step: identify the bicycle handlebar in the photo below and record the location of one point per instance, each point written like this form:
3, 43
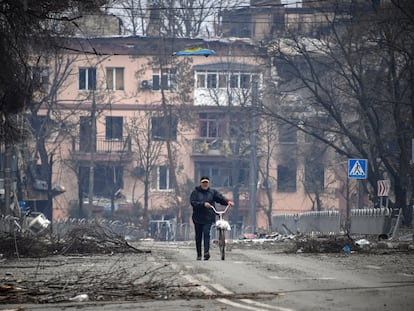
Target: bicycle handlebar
219, 212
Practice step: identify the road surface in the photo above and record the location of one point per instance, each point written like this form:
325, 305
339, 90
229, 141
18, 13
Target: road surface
265, 278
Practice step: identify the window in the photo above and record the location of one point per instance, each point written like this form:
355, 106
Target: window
211, 125
286, 177
287, 133
87, 78
222, 80
165, 80
41, 124
314, 176
238, 129
162, 179
212, 81
244, 81
201, 81
106, 180
40, 78
234, 81
164, 128
221, 173
113, 127
115, 78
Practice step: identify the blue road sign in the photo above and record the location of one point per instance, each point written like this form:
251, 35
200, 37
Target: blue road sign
357, 168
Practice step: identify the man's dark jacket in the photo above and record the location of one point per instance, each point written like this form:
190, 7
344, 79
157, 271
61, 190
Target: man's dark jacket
202, 214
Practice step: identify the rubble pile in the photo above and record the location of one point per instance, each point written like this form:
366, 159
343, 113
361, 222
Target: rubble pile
97, 239
24, 246
279, 243
330, 244
82, 238
296, 243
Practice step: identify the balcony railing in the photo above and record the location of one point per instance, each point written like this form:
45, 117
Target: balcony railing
211, 146
106, 149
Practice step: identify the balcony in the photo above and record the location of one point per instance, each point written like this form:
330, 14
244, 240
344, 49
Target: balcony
107, 150
211, 147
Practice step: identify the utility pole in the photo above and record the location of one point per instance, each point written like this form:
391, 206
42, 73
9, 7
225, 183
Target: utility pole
49, 191
92, 150
253, 160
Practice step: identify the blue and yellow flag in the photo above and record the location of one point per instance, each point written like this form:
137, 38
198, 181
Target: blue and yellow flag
195, 51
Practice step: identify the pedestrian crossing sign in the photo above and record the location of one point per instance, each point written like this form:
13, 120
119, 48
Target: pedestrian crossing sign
357, 168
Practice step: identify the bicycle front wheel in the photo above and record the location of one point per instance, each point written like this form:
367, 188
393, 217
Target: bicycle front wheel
222, 243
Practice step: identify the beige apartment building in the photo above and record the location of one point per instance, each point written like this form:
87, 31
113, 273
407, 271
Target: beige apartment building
161, 122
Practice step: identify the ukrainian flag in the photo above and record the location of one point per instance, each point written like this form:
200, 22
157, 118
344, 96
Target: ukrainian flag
195, 51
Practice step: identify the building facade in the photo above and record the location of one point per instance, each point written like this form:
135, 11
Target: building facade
135, 127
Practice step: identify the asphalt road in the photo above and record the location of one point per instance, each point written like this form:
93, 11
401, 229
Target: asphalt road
258, 278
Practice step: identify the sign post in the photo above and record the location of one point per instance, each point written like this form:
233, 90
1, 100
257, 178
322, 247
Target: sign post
357, 169
383, 190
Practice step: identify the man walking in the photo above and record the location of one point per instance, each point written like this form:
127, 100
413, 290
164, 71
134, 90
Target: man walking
202, 198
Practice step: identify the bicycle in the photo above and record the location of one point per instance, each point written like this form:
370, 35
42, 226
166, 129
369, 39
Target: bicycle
222, 225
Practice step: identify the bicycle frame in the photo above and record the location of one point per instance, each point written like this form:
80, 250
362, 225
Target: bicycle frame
221, 222
220, 213
222, 225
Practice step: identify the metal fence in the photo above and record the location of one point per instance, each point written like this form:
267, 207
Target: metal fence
286, 223
327, 222
371, 221
363, 221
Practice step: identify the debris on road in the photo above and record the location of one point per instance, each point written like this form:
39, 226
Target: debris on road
82, 238
87, 278
321, 244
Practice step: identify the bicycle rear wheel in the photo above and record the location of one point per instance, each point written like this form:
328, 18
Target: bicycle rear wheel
222, 243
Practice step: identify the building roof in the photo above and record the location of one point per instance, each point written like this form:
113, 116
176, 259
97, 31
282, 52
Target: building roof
158, 46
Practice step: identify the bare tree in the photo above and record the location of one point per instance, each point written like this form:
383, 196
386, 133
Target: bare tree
37, 156
173, 18
37, 25
359, 78
233, 96
26, 28
134, 15
148, 151
267, 149
173, 108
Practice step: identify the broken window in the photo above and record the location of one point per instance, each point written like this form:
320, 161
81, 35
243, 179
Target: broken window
287, 133
40, 77
222, 174
286, 177
106, 179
